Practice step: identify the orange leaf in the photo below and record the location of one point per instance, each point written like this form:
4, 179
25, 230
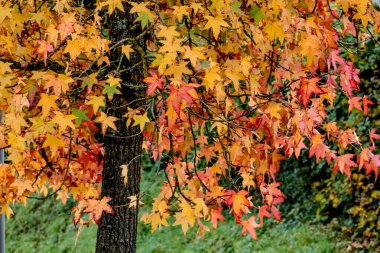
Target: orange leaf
215, 216
344, 163
239, 202
106, 122
44, 47
96, 208
250, 226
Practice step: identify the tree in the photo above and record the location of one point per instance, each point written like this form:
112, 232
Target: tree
124, 147
225, 91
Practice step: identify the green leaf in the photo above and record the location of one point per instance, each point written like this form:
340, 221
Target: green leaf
144, 18
110, 91
81, 116
235, 6
256, 14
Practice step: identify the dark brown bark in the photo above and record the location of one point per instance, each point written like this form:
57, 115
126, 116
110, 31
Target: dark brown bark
117, 233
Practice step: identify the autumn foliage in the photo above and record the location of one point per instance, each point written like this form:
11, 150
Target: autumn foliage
233, 89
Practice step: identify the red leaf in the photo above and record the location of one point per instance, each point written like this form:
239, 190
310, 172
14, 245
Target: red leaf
273, 189
334, 58
349, 78
309, 87
354, 103
373, 136
154, 82
263, 213
320, 149
185, 92
276, 213
331, 83
366, 102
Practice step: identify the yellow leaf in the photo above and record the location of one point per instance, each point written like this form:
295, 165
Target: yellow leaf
60, 83
215, 23
172, 116
180, 11
113, 5
16, 142
196, 7
344, 3
200, 206
22, 186
157, 220
220, 127
177, 70
235, 151
274, 110
53, 143
186, 217
133, 201
216, 169
141, 120
182, 220
234, 75
106, 122
113, 81
6, 209
127, 50
15, 121
5, 68
275, 30
74, 48
212, 76
41, 127
194, 54
144, 14
171, 46
63, 121
5, 12
96, 102
246, 65
47, 102
139, 7
168, 32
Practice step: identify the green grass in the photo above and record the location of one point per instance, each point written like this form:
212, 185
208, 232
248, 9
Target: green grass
280, 238
54, 232
47, 227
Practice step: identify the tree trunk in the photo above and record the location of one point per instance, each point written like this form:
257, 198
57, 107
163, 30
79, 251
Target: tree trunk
118, 232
